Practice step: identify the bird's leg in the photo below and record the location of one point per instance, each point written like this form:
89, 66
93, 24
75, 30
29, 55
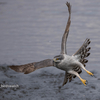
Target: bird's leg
87, 70
75, 73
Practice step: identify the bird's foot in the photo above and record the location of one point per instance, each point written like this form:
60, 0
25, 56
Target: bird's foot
84, 81
90, 73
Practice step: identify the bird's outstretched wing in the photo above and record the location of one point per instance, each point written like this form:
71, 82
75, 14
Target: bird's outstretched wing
28, 68
65, 35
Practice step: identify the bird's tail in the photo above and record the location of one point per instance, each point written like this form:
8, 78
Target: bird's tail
82, 53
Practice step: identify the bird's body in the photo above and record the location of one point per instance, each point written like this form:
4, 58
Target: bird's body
67, 63
72, 65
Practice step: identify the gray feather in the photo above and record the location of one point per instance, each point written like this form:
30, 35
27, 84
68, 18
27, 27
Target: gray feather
28, 68
65, 35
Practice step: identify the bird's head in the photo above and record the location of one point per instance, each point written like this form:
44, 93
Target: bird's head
57, 59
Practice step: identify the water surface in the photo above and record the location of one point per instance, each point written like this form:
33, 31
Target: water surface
31, 30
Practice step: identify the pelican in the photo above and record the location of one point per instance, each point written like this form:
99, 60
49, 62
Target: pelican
72, 65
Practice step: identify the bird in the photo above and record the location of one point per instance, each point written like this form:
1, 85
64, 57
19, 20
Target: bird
72, 65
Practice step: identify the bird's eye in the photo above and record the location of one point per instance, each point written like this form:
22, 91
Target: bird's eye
57, 58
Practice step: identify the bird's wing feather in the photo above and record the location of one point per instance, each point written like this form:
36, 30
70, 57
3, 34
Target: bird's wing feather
70, 76
82, 53
67, 77
28, 68
83, 47
65, 35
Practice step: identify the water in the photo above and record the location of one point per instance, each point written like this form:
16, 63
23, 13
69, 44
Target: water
32, 30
